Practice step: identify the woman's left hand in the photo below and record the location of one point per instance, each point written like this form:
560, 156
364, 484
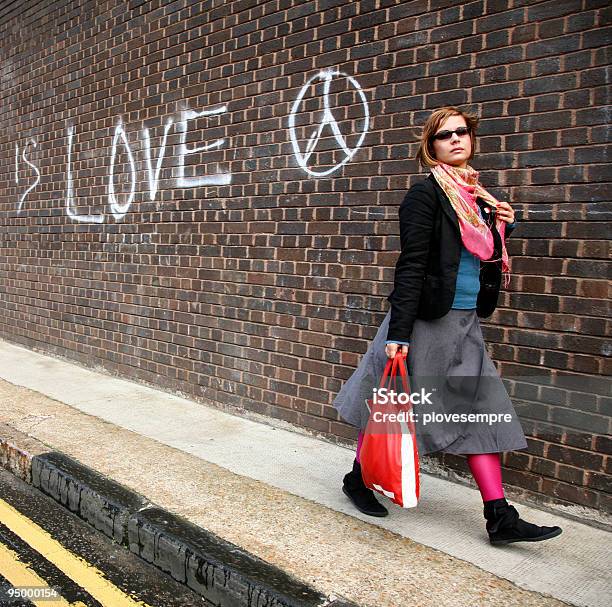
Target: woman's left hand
505, 212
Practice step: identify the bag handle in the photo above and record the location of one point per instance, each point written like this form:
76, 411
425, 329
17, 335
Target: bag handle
390, 372
403, 372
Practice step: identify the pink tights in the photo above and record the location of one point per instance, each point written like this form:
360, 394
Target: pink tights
485, 468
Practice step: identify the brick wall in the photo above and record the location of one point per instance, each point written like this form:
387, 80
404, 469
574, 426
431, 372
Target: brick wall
162, 216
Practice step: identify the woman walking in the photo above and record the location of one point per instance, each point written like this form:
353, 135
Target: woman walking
448, 274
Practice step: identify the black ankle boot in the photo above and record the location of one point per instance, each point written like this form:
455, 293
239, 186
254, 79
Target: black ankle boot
504, 525
362, 497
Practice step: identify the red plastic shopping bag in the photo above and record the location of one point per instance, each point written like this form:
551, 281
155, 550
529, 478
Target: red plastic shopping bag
389, 456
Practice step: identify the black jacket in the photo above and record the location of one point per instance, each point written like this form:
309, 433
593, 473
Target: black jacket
426, 269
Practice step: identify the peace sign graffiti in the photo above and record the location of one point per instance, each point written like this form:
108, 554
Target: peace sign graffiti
327, 119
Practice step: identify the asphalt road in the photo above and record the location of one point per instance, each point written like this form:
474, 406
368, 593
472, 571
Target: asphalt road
52, 554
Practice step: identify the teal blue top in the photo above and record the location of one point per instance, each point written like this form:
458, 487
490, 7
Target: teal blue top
468, 280
468, 283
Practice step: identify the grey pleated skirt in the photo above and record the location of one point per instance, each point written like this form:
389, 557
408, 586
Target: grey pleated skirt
447, 359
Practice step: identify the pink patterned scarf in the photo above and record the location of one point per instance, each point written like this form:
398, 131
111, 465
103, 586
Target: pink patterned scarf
462, 188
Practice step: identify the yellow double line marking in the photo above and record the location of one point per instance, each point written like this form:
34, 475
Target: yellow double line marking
84, 574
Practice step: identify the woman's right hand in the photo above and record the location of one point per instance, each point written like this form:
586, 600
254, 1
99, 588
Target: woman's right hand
391, 350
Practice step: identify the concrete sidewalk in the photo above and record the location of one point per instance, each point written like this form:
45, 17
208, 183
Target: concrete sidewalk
276, 493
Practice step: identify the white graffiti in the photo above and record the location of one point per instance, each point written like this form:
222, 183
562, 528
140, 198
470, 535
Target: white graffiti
25, 159
194, 182
327, 119
154, 175
118, 210
69, 189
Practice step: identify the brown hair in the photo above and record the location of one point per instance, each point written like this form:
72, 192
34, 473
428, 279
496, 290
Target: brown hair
425, 154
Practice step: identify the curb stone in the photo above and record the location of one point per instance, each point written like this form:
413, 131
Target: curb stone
218, 570
103, 503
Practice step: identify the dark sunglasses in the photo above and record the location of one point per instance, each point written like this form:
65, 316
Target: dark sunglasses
444, 135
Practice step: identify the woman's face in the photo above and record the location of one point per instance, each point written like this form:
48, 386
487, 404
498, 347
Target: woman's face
456, 150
